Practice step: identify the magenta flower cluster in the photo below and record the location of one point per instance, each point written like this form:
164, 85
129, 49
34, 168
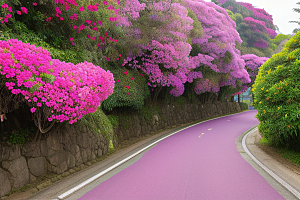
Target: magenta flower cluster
166, 58
69, 91
259, 14
260, 26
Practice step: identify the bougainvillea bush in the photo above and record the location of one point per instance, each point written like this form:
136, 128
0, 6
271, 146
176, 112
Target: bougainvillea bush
256, 28
183, 40
276, 92
69, 91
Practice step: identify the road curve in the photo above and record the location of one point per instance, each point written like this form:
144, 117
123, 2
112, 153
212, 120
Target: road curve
201, 162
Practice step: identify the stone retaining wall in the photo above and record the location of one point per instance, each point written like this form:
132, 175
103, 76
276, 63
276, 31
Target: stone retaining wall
136, 125
65, 147
70, 146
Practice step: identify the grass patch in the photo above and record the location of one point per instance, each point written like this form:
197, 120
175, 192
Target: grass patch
291, 155
264, 141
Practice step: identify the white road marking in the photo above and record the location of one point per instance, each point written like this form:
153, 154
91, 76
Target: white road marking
69, 192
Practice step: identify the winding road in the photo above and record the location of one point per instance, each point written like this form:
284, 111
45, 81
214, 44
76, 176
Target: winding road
200, 162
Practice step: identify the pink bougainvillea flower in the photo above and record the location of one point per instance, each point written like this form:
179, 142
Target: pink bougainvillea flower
73, 17
120, 55
24, 10
34, 3
75, 27
112, 19
88, 21
5, 20
92, 8
48, 19
9, 9
33, 109
71, 39
39, 104
94, 24
4, 6
105, 2
81, 9
8, 16
123, 64
118, 81
81, 27
127, 86
61, 18
95, 28
100, 23
125, 72
19, 12
142, 75
117, 58
128, 93
73, 43
132, 78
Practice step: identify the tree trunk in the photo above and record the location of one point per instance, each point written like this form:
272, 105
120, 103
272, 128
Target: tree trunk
239, 98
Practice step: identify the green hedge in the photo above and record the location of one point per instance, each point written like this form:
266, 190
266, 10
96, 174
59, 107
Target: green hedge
277, 96
134, 96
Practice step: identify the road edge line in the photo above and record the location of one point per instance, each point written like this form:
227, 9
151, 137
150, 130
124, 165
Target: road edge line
81, 185
277, 178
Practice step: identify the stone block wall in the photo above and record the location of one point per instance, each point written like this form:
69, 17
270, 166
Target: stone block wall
69, 146
66, 146
170, 116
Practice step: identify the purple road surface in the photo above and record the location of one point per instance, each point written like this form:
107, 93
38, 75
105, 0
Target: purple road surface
186, 166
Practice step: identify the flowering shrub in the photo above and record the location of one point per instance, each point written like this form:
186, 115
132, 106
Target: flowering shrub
69, 91
218, 42
255, 28
164, 58
276, 95
260, 26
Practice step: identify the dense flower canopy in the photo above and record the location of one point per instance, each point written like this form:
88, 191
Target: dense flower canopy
166, 58
69, 91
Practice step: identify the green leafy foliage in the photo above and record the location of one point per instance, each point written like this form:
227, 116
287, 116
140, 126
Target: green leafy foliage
279, 38
148, 111
113, 120
276, 95
134, 96
20, 31
99, 123
244, 106
20, 136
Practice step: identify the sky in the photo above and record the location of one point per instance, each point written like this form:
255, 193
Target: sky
281, 10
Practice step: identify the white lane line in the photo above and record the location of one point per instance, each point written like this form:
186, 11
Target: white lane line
69, 192
277, 178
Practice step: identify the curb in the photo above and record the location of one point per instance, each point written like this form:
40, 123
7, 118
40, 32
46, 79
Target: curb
271, 173
78, 187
